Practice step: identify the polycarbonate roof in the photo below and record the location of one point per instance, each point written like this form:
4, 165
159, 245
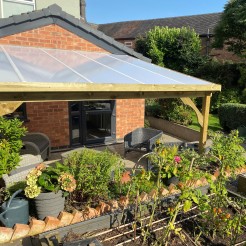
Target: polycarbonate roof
28, 64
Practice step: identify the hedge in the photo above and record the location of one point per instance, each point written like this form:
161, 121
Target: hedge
232, 115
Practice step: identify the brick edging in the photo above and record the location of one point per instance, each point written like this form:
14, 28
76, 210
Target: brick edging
36, 227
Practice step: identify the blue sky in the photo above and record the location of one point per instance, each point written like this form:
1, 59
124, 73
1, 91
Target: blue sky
106, 11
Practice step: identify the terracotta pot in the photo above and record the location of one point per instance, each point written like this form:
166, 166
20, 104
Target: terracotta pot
49, 204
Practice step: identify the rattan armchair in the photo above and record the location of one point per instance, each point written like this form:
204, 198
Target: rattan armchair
36, 143
141, 140
27, 163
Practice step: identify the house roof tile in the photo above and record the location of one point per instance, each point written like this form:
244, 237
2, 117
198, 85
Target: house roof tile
132, 29
55, 15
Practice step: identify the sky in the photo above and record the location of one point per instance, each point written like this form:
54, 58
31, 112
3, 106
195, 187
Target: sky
106, 11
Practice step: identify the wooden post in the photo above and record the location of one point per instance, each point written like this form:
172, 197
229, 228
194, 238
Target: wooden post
204, 127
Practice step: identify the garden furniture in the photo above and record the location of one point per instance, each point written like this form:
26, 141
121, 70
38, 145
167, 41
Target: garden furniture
36, 143
141, 140
27, 163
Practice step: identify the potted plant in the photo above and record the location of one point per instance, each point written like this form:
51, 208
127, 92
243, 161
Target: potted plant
48, 186
167, 162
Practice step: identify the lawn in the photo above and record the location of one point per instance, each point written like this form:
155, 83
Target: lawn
213, 124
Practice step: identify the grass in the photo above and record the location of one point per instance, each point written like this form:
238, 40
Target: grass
213, 123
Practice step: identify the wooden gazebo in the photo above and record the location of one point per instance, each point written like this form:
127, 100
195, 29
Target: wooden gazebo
65, 75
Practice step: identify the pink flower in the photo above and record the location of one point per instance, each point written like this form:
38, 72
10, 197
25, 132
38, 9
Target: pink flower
177, 159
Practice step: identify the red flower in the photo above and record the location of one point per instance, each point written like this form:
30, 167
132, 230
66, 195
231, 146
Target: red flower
177, 159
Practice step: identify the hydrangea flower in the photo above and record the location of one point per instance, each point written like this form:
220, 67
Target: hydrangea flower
46, 179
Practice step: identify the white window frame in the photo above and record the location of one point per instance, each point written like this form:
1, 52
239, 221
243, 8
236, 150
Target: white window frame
32, 2
129, 44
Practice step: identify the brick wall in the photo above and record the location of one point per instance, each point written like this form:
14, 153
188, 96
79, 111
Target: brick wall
129, 115
51, 36
52, 118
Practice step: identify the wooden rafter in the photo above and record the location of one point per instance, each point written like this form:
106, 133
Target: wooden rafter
187, 101
8, 107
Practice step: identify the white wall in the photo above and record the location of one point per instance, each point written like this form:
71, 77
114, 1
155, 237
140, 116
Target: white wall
70, 6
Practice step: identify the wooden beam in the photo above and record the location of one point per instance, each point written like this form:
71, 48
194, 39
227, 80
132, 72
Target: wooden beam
8, 107
204, 128
187, 101
78, 96
93, 87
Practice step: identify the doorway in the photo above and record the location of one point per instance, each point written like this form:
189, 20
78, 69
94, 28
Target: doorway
92, 122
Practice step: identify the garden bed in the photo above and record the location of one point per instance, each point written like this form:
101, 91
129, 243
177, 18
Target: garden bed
111, 220
102, 195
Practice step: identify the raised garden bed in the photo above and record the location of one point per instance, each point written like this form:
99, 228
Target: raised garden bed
140, 201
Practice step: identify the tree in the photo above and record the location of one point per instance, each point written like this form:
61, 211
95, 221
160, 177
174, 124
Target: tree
231, 30
175, 48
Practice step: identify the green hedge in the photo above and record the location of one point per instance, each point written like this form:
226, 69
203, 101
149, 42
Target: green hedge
232, 115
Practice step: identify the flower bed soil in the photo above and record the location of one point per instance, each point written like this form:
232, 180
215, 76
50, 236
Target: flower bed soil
189, 227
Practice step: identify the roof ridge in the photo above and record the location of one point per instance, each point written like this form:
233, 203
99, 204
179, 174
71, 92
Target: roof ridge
174, 17
54, 14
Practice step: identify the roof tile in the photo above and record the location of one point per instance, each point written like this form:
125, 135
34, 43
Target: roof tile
202, 24
54, 15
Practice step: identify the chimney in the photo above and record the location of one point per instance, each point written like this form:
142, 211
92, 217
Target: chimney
82, 10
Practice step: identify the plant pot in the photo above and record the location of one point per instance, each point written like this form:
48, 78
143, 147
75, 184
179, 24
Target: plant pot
173, 180
49, 204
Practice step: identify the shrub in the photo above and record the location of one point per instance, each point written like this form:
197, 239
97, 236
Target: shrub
231, 76
228, 149
174, 48
232, 115
153, 110
227, 74
225, 96
174, 110
11, 132
93, 171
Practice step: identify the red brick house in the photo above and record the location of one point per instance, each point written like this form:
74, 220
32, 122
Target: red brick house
61, 66
126, 32
71, 123
204, 25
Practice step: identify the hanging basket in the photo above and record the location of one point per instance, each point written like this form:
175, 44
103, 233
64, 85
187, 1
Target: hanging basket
49, 204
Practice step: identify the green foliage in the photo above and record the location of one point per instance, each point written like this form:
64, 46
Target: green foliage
231, 29
169, 109
46, 179
228, 149
166, 161
174, 110
153, 110
227, 74
227, 153
242, 80
146, 123
244, 96
174, 48
232, 115
230, 76
213, 123
225, 96
11, 132
94, 171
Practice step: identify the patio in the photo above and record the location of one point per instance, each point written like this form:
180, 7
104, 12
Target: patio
131, 158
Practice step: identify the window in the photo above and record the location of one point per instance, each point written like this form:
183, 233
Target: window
128, 44
16, 7
19, 113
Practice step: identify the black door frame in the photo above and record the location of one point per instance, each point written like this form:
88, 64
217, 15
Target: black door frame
82, 123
